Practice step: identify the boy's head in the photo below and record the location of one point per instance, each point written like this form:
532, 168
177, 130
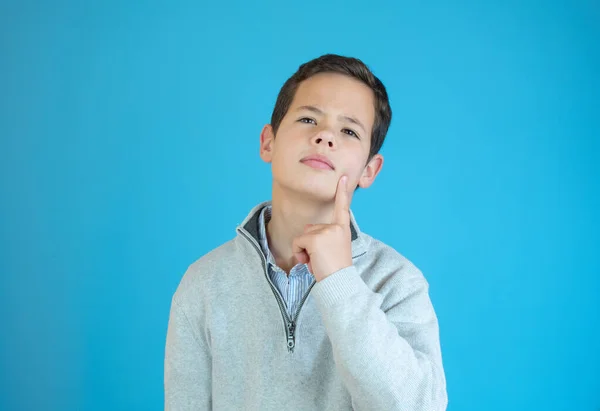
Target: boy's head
333, 106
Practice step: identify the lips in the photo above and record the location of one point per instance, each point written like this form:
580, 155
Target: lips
318, 161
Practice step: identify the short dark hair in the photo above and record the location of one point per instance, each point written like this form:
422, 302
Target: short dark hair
349, 66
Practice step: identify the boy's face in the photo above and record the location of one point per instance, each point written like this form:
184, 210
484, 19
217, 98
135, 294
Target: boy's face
332, 116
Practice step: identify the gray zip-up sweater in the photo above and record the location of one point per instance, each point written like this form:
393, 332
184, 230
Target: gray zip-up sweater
364, 338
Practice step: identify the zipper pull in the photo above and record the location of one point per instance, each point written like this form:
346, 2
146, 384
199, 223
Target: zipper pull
290, 335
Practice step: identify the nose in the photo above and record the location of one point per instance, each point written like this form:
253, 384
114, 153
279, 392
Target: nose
325, 137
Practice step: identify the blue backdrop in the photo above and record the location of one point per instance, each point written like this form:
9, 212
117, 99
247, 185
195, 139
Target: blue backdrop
129, 148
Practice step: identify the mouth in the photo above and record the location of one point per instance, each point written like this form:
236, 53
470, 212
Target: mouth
319, 162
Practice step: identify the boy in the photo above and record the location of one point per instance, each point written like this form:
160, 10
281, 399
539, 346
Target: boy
301, 310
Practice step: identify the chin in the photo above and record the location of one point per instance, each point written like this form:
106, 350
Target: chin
318, 185
319, 188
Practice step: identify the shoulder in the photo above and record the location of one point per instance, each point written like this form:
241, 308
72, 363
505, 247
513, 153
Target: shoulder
398, 281
208, 270
388, 267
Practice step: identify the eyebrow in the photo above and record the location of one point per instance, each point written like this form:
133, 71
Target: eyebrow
349, 119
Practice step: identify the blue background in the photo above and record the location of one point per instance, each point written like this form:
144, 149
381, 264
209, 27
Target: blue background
129, 148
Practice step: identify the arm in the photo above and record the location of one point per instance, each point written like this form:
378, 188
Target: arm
187, 380
388, 357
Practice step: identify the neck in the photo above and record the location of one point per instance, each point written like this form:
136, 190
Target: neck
290, 213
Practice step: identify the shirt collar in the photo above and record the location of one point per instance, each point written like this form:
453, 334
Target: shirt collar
263, 219
250, 225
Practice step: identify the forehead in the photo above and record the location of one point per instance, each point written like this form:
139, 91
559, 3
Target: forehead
337, 93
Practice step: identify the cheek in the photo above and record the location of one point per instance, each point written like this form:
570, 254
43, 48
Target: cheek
354, 163
284, 154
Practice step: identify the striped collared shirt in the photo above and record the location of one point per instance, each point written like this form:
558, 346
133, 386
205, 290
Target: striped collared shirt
292, 288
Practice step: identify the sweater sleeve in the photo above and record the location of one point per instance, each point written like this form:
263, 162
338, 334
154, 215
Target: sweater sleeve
187, 377
389, 359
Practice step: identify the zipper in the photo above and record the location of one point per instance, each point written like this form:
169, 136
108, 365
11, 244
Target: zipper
292, 325
289, 323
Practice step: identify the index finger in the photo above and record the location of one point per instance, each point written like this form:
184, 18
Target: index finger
341, 214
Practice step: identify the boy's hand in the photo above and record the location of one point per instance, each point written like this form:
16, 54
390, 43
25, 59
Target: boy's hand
327, 248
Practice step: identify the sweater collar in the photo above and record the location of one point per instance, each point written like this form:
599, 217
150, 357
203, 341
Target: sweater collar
250, 226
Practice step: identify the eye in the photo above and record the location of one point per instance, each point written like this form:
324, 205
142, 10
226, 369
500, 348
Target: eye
307, 120
350, 132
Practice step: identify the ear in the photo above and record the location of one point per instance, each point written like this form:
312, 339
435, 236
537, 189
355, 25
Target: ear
267, 139
371, 170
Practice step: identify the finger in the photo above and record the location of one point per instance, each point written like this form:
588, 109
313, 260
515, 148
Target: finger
300, 244
342, 203
302, 257
299, 249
